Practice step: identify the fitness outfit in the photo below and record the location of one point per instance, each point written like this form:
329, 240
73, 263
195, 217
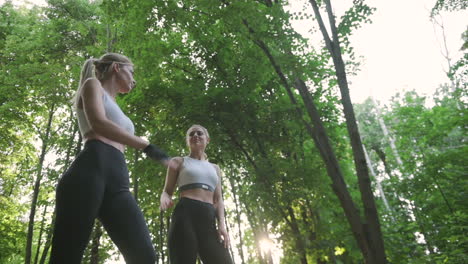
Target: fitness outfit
193, 224
97, 186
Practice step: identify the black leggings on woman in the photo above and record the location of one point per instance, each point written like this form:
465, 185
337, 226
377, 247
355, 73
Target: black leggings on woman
97, 186
193, 231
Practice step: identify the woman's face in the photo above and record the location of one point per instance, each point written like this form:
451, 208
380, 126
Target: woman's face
197, 138
125, 77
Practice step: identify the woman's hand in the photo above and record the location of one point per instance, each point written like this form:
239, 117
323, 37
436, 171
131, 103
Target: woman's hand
155, 153
223, 235
166, 201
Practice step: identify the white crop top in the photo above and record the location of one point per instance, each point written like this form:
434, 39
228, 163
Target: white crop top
113, 113
197, 174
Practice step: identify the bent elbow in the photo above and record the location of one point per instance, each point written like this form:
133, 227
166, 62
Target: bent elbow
98, 126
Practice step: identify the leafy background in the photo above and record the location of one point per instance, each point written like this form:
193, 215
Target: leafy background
202, 61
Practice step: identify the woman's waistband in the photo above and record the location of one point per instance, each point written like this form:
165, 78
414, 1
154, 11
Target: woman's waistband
185, 200
98, 144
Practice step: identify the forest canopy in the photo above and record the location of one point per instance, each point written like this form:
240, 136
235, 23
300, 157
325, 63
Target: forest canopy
308, 176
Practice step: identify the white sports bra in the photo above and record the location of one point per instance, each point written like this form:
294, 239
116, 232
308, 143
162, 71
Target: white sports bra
197, 174
113, 113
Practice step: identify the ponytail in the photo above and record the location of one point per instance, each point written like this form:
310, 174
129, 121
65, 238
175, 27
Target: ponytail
87, 71
98, 68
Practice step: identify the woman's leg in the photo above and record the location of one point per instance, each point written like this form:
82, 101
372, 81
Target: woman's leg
78, 197
211, 250
183, 244
120, 214
126, 226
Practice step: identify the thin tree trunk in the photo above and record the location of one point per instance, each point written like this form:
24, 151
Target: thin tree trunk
229, 232
383, 158
374, 233
39, 240
238, 219
391, 140
96, 243
161, 235
297, 234
378, 183
37, 184
48, 241
168, 224
311, 219
135, 177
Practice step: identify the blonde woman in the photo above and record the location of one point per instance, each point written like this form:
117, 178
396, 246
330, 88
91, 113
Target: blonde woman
193, 224
97, 184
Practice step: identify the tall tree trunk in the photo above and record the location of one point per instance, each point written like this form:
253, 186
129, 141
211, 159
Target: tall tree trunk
45, 140
162, 234
229, 232
383, 158
96, 243
377, 181
39, 239
374, 233
391, 140
135, 176
168, 224
297, 234
48, 241
311, 219
238, 219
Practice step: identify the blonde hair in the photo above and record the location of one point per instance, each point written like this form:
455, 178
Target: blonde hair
98, 68
204, 131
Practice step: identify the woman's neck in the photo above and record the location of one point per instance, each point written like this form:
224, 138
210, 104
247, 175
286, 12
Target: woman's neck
197, 154
109, 85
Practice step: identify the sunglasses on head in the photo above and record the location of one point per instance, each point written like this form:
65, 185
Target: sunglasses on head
198, 133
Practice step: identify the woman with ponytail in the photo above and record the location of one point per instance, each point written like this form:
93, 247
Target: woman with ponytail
97, 183
193, 228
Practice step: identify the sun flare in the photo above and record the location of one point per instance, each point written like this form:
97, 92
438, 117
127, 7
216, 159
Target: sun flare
266, 246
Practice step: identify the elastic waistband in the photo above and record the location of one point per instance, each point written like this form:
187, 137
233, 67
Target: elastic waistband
184, 200
100, 144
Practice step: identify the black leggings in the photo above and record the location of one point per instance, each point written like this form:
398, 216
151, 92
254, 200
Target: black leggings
97, 186
193, 231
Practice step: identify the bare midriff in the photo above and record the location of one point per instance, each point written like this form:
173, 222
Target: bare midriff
198, 194
92, 135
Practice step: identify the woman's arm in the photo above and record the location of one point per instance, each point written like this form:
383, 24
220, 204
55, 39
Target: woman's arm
218, 203
91, 96
171, 179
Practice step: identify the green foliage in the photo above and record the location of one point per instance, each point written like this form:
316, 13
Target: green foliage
448, 5
12, 230
200, 62
426, 191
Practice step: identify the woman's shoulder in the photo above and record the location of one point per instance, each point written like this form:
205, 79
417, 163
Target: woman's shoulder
92, 84
177, 161
92, 81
